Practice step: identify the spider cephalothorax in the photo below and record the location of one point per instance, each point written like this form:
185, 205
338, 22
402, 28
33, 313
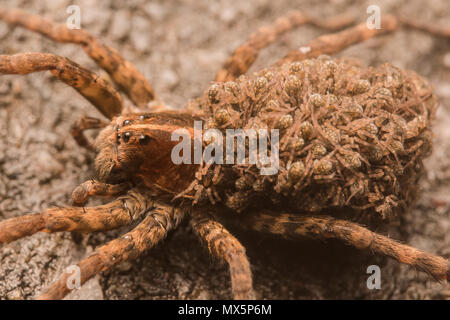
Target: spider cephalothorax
137, 148
352, 141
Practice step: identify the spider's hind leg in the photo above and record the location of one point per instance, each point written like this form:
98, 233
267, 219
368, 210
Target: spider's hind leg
225, 246
243, 57
324, 228
440, 31
335, 42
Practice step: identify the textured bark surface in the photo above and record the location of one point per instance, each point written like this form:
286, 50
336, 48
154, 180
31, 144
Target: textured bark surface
179, 46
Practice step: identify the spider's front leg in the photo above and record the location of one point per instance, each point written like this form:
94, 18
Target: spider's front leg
115, 214
147, 234
123, 72
96, 188
83, 124
324, 228
96, 90
225, 246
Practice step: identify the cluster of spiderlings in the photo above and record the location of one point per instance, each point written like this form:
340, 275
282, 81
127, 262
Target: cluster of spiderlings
351, 136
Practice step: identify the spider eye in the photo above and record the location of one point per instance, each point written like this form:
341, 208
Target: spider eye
126, 122
126, 137
144, 139
143, 117
118, 138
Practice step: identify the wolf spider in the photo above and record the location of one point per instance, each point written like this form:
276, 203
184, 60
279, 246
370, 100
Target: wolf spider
133, 161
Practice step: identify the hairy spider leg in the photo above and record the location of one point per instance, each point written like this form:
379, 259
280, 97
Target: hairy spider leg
83, 124
245, 55
147, 234
334, 42
115, 214
224, 246
96, 90
96, 188
324, 228
122, 72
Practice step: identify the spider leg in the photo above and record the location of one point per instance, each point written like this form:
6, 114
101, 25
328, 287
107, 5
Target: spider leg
223, 245
96, 188
334, 42
440, 31
96, 90
352, 234
86, 123
129, 246
244, 56
122, 72
118, 213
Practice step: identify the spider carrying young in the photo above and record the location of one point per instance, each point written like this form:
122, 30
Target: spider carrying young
352, 143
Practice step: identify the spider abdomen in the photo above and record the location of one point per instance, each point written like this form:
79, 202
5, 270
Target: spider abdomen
350, 136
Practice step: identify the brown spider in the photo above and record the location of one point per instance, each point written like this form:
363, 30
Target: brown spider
324, 167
